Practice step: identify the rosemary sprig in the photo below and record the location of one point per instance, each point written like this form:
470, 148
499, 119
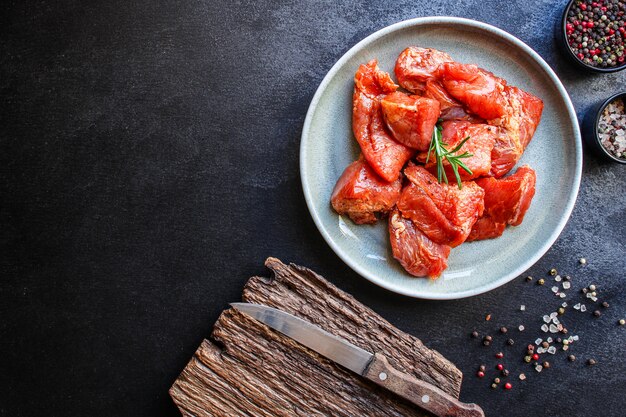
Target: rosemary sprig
438, 148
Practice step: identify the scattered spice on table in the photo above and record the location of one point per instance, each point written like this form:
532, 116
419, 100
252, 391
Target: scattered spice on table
555, 338
596, 32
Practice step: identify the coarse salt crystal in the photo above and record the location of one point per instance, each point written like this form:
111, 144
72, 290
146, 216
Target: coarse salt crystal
522, 377
588, 295
577, 306
549, 340
575, 337
565, 347
553, 328
557, 278
583, 308
555, 289
594, 299
556, 321
538, 368
564, 304
562, 295
521, 328
522, 307
552, 350
544, 327
566, 285
541, 350
553, 314
546, 319
538, 341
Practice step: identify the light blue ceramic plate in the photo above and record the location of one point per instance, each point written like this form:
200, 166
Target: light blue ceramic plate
328, 146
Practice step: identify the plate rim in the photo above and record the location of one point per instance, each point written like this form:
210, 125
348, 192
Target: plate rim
474, 24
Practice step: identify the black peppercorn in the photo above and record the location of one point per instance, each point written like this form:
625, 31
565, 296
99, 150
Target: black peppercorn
510, 342
571, 358
503, 329
474, 334
597, 313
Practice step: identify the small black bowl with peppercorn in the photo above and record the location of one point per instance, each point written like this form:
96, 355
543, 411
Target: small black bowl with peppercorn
604, 129
593, 34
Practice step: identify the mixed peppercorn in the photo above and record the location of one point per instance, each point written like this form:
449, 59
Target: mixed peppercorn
596, 31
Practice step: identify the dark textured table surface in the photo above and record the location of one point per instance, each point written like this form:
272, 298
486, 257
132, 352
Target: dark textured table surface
150, 164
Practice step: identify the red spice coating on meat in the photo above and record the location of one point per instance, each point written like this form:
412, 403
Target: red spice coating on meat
360, 193
411, 119
419, 255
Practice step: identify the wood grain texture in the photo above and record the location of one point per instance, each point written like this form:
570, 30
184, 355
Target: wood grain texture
248, 369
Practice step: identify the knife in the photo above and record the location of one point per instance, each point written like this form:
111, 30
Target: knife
373, 366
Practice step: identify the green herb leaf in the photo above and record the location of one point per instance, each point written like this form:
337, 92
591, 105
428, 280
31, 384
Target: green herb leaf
438, 149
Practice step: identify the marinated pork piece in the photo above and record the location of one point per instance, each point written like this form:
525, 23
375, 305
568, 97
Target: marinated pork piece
411, 119
480, 144
360, 193
478, 90
442, 212
415, 66
522, 115
506, 202
451, 109
486, 228
419, 255
385, 155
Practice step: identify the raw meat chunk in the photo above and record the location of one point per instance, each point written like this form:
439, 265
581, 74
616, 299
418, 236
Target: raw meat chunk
360, 193
486, 228
385, 155
506, 202
522, 115
419, 255
411, 119
416, 65
507, 199
442, 212
481, 92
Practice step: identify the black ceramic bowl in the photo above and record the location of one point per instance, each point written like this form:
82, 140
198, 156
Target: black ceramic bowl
590, 129
562, 40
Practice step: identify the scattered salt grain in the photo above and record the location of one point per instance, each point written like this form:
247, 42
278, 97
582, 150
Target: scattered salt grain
538, 368
557, 278
567, 285
555, 289
544, 327
522, 307
562, 295
538, 341
575, 337
583, 308
522, 377
521, 328
552, 350
547, 318
549, 340
577, 306
553, 328
564, 304
541, 350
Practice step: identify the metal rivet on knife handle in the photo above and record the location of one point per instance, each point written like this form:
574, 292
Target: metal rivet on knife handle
420, 393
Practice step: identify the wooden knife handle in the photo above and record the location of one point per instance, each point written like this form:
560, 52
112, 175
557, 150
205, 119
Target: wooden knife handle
423, 394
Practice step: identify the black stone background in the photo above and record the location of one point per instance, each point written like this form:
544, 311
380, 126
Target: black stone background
150, 164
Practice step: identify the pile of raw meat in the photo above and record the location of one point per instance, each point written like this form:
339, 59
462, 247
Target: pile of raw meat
392, 176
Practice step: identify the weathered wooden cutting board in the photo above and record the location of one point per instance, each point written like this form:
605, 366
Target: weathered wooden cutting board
247, 369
